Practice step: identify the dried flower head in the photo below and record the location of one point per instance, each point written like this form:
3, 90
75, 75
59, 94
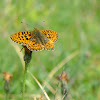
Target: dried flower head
27, 55
7, 76
62, 77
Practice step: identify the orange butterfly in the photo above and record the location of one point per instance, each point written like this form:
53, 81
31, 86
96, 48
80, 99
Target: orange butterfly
36, 39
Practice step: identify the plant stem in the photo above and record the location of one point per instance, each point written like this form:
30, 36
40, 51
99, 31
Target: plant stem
25, 71
27, 59
6, 96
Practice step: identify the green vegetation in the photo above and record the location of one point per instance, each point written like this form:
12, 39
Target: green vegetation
77, 23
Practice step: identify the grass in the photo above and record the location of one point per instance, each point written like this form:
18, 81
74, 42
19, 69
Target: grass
77, 24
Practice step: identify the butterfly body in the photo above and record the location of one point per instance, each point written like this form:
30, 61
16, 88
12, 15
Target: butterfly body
36, 39
40, 37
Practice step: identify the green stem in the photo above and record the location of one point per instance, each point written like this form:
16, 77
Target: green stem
25, 71
6, 96
7, 89
27, 59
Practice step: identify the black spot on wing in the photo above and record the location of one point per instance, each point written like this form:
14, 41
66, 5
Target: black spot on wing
26, 38
22, 36
29, 34
22, 33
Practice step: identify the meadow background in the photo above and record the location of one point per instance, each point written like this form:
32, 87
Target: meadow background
77, 50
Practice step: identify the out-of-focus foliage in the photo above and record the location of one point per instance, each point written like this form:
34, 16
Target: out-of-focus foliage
77, 23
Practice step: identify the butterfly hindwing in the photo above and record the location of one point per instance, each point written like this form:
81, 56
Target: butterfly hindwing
49, 45
34, 45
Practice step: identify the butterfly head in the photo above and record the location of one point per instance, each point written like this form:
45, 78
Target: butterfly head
37, 32
35, 29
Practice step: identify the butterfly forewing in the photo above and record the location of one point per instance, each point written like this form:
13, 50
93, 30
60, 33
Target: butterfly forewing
22, 37
50, 34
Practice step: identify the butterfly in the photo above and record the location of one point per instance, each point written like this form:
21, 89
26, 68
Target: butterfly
36, 39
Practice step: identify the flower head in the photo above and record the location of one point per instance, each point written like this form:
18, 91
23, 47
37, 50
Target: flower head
7, 76
62, 77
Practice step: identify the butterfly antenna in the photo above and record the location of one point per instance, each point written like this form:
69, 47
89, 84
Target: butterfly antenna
25, 24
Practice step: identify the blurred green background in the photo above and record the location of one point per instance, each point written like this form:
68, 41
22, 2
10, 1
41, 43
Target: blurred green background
77, 23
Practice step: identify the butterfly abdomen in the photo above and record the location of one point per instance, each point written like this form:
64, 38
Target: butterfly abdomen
40, 37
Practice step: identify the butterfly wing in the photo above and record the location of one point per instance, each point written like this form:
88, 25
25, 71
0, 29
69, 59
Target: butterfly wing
34, 45
50, 34
22, 37
30, 39
49, 44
